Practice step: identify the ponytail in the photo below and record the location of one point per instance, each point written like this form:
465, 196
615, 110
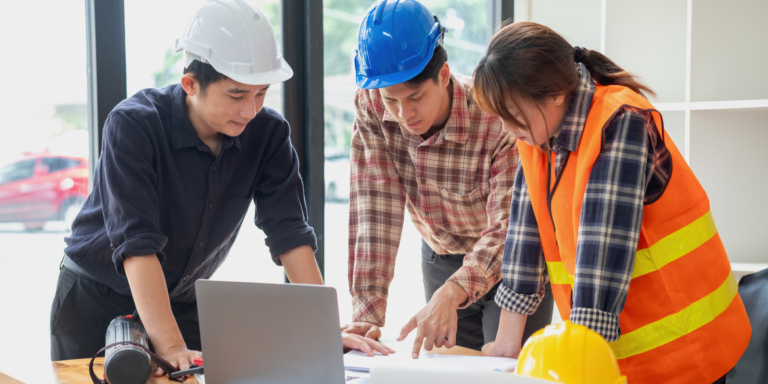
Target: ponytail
606, 72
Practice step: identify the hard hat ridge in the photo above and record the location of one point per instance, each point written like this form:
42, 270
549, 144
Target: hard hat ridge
237, 39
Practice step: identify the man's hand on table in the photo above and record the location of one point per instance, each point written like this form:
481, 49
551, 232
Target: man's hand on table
437, 321
363, 336
178, 356
363, 328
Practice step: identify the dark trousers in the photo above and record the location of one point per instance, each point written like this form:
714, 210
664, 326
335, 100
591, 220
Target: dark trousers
83, 308
479, 322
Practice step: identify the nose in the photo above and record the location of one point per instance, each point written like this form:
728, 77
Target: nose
406, 111
249, 110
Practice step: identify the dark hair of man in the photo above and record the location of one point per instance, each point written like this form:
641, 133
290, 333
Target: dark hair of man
432, 70
204, 74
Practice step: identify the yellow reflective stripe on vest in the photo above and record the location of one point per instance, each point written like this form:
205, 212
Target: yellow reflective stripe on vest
674, 246
679, 324
558, 274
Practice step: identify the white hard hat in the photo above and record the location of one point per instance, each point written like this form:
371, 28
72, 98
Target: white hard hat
237, 39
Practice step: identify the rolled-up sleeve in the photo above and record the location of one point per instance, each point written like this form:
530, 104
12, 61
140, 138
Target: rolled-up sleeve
281, 211
128, 190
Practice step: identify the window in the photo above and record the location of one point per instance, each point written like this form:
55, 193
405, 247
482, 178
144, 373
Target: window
465, 43
42, 114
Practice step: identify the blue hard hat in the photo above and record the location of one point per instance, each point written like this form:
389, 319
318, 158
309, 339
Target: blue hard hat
396, 41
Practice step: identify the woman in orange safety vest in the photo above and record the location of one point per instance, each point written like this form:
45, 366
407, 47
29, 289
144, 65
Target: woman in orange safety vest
607, 209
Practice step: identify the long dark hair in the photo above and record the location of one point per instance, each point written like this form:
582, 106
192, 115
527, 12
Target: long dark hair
531, 61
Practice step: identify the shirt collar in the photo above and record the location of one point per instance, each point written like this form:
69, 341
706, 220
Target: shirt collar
576, 117
458, 125
183, 134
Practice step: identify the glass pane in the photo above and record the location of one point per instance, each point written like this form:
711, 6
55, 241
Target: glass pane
151, 27
465, 44
42, 116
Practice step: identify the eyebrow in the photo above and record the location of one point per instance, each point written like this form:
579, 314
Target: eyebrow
411, 95
240, 90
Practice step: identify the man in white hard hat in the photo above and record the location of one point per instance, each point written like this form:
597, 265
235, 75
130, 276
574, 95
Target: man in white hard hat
178, 170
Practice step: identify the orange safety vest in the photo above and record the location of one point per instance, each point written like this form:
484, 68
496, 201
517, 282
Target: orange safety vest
683, 321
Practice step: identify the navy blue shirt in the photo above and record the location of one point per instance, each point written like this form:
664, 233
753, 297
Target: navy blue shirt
158, 189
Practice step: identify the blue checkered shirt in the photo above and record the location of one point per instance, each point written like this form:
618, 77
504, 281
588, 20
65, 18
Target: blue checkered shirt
632, 169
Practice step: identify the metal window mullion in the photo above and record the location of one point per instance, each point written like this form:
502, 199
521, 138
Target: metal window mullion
105, 44
497, 12
303, 101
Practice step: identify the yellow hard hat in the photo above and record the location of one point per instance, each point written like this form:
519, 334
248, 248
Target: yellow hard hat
571, 354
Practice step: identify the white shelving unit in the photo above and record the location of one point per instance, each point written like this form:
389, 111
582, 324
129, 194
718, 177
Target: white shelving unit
708, 62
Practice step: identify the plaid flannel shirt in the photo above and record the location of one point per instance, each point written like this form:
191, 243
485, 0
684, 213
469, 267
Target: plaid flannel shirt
632, 169
456, 184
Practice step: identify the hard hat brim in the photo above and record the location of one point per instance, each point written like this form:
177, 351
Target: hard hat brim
375, 82
275, 76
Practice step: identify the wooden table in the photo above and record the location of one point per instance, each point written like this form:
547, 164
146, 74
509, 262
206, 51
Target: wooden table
76, 371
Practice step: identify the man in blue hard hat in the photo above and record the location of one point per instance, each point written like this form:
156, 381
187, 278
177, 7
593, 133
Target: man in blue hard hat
421, 142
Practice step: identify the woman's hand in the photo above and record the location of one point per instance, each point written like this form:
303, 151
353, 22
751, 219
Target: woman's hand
494, 349
509, 337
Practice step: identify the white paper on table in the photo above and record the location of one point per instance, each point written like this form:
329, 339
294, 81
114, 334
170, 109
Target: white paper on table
420, 375
359, 361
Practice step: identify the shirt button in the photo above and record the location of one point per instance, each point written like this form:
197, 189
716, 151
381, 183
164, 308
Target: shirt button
214, 168
210, 205
186, 277
426, 214
423, 181
201, 244
477, 294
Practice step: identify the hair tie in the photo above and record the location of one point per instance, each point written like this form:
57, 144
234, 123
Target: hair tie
579, 54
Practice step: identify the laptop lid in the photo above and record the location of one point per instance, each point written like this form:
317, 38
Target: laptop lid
269, 333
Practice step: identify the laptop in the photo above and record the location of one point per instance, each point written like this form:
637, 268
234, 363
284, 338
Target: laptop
269, 333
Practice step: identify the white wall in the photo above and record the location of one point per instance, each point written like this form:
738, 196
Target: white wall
649, 40
728, 158
729, 51
561, 14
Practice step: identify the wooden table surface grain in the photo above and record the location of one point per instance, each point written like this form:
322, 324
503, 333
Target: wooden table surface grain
76, 371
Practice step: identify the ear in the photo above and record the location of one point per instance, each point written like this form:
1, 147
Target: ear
445, 75
557, 100
189, 83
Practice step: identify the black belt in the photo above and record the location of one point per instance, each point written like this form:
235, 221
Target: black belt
69, 264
